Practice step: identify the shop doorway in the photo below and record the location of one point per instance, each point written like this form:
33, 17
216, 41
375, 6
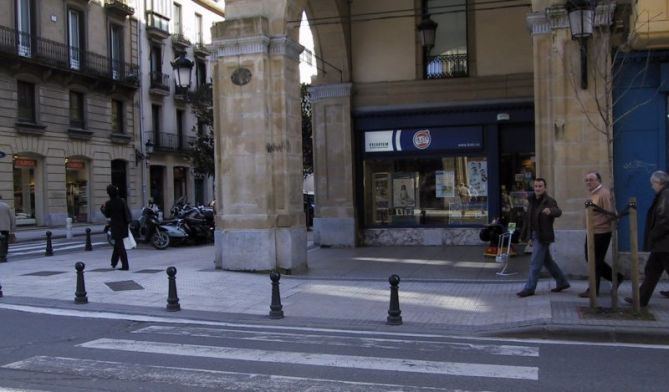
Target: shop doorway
76, 182
24, 190
119, 177
158, 186
517, 170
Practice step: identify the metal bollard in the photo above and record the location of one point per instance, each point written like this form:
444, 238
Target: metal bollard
80, 295
394, 312
89, 245
49, 248
276, 311
172, 299
3, 246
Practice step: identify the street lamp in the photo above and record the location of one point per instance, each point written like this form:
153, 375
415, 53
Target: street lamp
148, 150
427, 29
581, 16
182, 75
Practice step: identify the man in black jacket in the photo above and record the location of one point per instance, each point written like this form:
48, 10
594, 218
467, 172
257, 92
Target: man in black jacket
656, 237
117, 211
538, 226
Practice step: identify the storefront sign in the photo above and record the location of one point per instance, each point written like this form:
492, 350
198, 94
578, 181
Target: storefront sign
75, 165
24, 163
424, 139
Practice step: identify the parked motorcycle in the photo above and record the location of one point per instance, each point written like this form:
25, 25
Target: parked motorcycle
198, 222
149, 229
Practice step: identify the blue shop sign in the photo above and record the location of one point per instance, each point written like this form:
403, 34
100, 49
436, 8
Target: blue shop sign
425, 139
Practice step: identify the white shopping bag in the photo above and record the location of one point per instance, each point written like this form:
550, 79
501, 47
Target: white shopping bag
129, 241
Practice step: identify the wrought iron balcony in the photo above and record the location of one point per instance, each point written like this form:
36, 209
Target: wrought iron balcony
447, 66
202, 95
199, 50
55, 55
121, 7
170, 142
160, 83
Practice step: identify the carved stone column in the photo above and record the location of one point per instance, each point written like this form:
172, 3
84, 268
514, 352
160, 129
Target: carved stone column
260, 220
334, 221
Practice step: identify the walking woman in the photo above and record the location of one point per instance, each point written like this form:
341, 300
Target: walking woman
118, 214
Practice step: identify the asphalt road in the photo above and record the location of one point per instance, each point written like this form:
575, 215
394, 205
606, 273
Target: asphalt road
103, 352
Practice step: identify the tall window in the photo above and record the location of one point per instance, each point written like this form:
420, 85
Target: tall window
448, 57
25, 102
117, 117
198, 26
77, 110
156, 65
155, 116
24, 27
177, 19
116, 50
200, 73
75, 37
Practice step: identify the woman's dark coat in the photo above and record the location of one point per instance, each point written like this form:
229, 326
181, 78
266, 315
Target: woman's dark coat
656, 238
117, 211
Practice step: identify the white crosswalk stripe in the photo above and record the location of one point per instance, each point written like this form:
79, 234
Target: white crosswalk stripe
40, 248
397, 355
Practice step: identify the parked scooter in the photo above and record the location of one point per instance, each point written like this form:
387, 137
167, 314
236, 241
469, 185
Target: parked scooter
198, 222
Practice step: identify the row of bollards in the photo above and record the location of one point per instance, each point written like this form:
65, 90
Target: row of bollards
49, 247
276, 309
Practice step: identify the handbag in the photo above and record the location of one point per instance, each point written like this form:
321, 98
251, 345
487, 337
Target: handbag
129, 241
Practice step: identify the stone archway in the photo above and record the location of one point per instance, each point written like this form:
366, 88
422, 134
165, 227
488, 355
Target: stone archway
260, 221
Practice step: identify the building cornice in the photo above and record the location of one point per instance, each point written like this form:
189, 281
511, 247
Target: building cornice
286, 47
327, 91
258, 44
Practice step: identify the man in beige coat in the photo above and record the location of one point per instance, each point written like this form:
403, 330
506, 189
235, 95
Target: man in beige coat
7, 228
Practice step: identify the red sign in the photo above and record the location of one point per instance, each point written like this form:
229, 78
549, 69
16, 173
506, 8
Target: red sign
24, 163
77, 165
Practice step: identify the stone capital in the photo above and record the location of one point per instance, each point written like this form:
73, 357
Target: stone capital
327, 91
555, 17
285, 46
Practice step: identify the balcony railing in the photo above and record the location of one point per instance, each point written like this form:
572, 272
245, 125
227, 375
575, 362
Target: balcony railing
54, 54
123, 7
447, 66
169, 142
160, 81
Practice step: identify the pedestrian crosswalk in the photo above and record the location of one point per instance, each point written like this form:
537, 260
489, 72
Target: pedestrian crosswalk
39, 247
257, 360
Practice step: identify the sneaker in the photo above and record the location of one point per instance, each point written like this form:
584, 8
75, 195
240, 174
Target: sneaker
525, 293
561, 288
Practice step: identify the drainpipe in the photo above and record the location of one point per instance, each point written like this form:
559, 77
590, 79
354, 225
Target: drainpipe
141, 114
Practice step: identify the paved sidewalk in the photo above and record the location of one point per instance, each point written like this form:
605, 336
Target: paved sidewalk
446, 289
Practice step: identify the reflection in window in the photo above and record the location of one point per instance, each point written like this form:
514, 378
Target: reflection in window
426, 191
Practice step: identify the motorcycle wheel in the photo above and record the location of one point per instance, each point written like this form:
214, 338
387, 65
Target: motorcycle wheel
160, 240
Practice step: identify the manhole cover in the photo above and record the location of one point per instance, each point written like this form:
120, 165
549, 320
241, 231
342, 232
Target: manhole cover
44, 273
148, 271
124, 285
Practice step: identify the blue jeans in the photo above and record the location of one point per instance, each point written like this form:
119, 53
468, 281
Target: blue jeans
541, 257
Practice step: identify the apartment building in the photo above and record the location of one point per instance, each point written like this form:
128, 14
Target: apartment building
69, 74
168, 30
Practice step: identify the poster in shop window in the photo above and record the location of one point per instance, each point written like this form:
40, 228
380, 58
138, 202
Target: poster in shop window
381, 197
404, 194
477, 178
444, 183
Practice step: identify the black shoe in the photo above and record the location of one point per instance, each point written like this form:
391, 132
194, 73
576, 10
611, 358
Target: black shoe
664, 293
113, 266
525, 293
561, 288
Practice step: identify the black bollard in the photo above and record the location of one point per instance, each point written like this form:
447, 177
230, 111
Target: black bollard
276, 311
172, 299
89, 245
80, 295
3, 244
49, 248
394, 311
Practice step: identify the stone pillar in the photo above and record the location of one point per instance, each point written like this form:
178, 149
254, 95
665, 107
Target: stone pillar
334, 221
260, 221
568, 125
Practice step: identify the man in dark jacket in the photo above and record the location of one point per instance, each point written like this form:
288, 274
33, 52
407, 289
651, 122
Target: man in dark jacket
117, 211
538, 226
656, 237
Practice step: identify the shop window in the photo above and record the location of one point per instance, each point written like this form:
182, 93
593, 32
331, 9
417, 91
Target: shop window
24, 190
77, 110
431, 191
117, 117
26, 102
77, 190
